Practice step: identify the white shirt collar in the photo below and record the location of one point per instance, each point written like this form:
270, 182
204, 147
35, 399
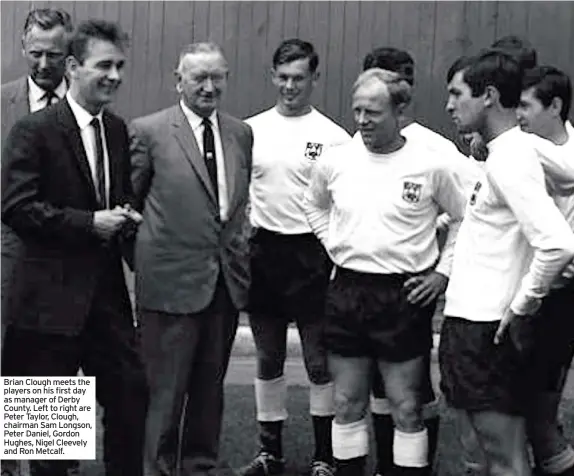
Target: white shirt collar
37, 93
83, 117
195, 120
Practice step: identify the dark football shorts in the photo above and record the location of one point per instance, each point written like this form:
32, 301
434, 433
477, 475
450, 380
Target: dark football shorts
479, 375
367, 315
553, 340
289, 275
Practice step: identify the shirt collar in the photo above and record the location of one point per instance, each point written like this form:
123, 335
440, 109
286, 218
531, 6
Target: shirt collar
83, 117
37, 93
195, 120
502, 138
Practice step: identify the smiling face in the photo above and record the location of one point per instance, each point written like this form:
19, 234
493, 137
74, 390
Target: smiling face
295, 83
202, 81
96, 79
466, 111
45, 52
376, 118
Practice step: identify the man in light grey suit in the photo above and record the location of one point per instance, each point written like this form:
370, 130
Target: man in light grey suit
191, 171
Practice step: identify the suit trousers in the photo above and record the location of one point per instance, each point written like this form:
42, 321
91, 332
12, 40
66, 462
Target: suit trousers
107, 349
186, 358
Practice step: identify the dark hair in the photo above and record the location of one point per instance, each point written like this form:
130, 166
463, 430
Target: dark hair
459, 64
293, 50
494, 68
47, 18
391, 59
548, 83
520, 49
95, 29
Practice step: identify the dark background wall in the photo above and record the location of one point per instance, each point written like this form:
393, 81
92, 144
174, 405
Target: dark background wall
343, 32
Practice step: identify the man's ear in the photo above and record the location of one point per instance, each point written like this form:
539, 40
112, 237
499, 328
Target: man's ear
491, 96
177, 75
72, 64
556, 106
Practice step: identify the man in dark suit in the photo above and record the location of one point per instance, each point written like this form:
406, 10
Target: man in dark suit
66, 193
191, 170
44, 46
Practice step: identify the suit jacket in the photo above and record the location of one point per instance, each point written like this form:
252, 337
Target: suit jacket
15, 105
48, 199
182, 246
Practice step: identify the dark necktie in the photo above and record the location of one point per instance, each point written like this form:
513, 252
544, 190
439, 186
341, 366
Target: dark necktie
50, 97
100, 168
209, 154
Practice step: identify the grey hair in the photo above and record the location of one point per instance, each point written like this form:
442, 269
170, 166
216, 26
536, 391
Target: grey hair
199, 47
400, 91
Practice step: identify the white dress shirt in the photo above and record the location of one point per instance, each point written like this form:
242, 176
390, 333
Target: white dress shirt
197, 127
37, 96
83, 118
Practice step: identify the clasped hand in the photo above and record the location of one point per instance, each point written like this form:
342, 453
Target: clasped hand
109, 222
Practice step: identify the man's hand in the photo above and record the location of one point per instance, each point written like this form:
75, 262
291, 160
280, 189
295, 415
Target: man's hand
520, 329
423, 290
108, 222
132, 214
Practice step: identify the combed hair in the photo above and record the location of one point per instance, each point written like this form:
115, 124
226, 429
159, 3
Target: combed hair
520, 49
199, 47
493, 68
391, 59
459, 64
295, 49
99, 30
548, 83
48, 18
400, 91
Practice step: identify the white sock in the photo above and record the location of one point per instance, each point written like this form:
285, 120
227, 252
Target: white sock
350, 440
410, 450
270, 399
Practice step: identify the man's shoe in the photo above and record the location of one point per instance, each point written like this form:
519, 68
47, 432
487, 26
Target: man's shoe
264, 464
320, 468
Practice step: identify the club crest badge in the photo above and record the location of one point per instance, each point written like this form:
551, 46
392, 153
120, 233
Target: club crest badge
313, 150
477, 187
412, 192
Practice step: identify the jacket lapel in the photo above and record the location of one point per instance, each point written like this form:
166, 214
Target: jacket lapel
72, 133
114, 146
20, 104
186, 139
229, 154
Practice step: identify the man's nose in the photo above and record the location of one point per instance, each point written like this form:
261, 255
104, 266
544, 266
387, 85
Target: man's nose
360, 117
43, 62
208, 84
114, 73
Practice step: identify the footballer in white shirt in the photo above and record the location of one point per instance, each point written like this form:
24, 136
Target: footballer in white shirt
512, 244
289, 267
543, 110
373, 203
